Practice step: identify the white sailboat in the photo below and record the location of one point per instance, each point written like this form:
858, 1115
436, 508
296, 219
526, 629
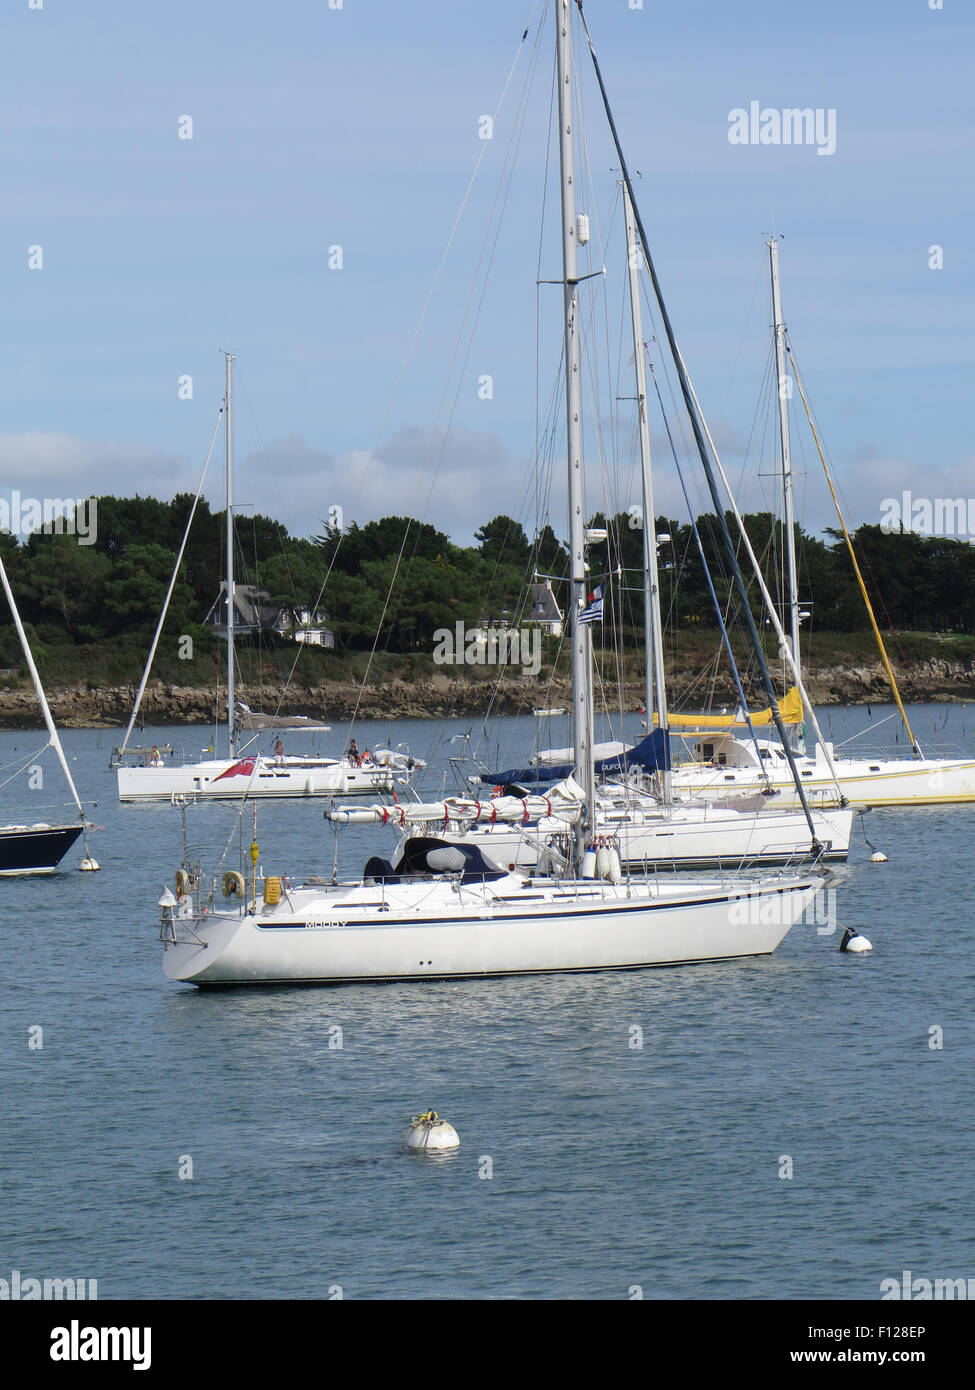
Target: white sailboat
38, 848
151, 776
529, 831
445, 910
723, 760
726, 762
645, 828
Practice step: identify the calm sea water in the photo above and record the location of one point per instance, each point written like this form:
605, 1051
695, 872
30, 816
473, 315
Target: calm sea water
610, 1166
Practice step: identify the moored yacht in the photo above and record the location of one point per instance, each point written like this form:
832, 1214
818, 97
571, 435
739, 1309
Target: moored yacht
258, 775
446, 910
40, 847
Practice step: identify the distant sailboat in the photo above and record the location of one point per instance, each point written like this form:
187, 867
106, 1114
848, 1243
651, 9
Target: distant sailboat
39, 848
149, 776
723, 760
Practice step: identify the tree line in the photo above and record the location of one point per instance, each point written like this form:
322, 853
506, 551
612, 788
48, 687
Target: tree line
404, 580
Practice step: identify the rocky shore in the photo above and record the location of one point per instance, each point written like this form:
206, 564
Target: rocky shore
441, 696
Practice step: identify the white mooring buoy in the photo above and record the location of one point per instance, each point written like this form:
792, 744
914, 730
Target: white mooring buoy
428, 1133
89, 866
853, 941
878, 857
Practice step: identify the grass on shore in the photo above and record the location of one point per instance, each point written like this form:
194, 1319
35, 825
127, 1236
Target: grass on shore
103, 666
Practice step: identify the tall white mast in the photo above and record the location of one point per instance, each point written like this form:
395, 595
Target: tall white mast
230, 556
578, 581
653, 645
785, 454
39, 690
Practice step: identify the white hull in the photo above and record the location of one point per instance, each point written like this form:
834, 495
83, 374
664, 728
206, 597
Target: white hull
723, 765
436, 930
864, 781
294, 777
687, 837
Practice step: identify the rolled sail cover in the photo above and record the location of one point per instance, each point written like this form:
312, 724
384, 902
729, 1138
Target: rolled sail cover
651, 753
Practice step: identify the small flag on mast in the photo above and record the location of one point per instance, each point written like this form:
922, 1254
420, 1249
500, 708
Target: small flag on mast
593, 611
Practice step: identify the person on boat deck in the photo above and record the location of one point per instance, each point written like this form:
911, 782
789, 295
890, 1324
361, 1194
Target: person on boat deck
279, 751
366, 756
353, 753
155, 757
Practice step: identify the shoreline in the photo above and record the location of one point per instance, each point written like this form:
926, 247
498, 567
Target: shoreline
442, 697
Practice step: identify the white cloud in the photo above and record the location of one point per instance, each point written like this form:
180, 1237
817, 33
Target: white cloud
457, 486
872, 477
64, 465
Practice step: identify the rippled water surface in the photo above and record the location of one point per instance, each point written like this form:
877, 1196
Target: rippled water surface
610, 1165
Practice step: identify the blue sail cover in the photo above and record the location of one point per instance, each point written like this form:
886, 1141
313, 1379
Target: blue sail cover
651, 753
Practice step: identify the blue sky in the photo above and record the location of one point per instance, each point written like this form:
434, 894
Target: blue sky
358, 127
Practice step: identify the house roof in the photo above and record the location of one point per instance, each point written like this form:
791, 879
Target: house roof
253, 607
544, 609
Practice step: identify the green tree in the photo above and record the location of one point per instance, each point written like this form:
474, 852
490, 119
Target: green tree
65, 581
502, 541
135, 593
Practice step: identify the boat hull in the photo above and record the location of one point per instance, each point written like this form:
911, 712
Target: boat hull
336, 939
891, 782
34, 849
712, 839
729, 766
270, 779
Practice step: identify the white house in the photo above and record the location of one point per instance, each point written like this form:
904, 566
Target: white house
543, 609
255, 612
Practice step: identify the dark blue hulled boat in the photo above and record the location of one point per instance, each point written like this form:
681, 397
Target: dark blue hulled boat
35, 849
39, 848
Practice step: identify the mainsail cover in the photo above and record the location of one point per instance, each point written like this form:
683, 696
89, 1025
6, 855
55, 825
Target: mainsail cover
790, 708
253, 720
651, 753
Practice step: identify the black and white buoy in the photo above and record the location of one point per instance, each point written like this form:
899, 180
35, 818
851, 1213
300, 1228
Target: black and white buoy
854, 942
